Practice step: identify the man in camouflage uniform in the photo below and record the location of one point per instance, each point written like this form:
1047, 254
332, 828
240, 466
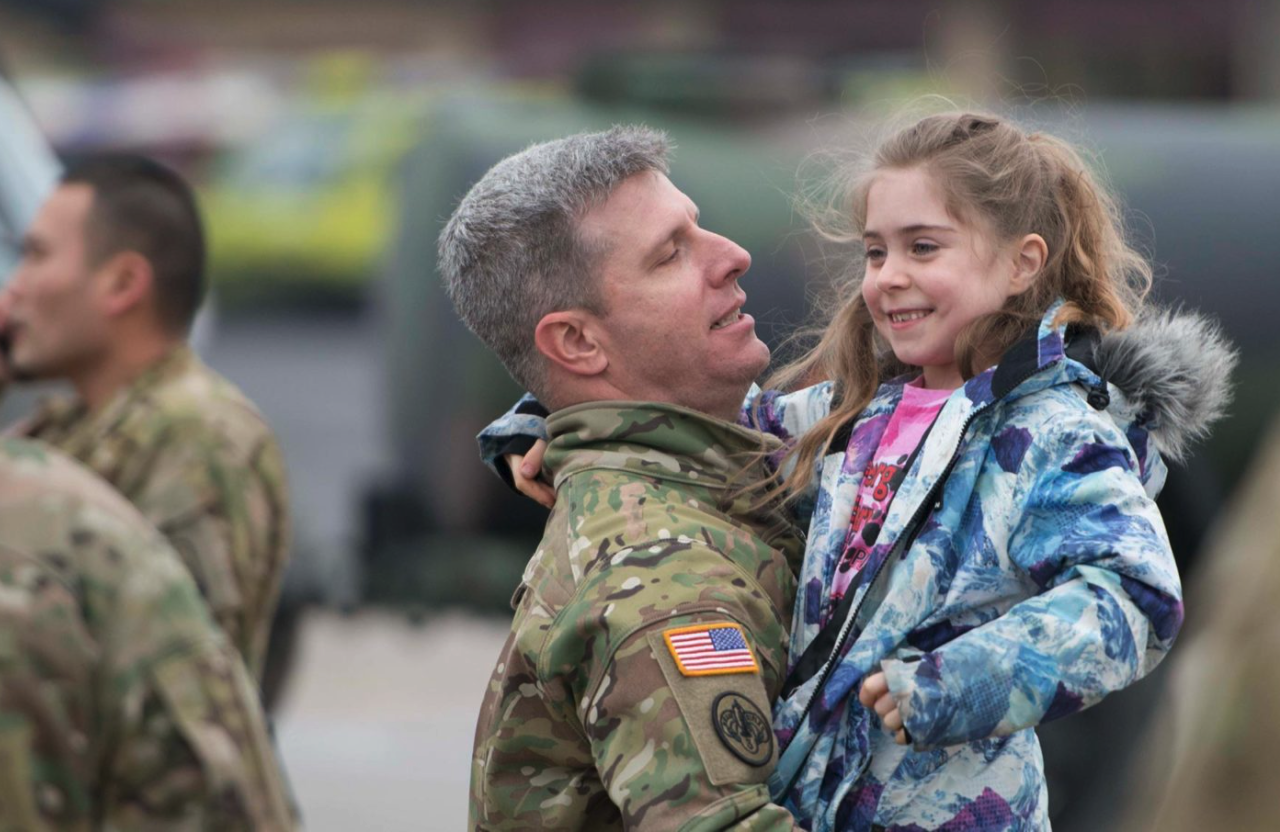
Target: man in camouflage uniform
649, 637
110, 279
122, 706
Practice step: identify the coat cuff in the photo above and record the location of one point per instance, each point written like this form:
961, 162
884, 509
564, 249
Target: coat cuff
903, 676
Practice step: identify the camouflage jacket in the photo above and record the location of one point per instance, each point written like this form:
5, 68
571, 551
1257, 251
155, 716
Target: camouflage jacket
122, 706
198, 460
649, 637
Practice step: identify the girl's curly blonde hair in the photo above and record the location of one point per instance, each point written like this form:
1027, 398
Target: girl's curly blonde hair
999, 177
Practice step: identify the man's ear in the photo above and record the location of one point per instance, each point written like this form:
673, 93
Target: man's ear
1029, 259
569, 339
125, 281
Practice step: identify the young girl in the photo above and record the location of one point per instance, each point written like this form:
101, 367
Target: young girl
984, 553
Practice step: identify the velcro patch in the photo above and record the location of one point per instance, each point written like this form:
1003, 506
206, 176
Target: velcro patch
742, 728
711, 649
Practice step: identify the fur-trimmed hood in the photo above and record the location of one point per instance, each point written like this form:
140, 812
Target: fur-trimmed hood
1174, 369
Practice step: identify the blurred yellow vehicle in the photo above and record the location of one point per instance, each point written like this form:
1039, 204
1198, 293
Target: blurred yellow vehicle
304, 213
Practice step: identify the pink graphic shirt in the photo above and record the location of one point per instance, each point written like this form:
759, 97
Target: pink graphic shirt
882, 476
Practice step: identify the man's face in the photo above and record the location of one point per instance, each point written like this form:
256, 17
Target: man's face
673, 327
53, 324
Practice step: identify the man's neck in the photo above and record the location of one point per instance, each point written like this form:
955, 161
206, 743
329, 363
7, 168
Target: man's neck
600, 392
98, 384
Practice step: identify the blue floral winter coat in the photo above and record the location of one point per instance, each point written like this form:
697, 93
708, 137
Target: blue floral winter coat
1026, 575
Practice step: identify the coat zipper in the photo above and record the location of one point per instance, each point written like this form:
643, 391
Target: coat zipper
907, 538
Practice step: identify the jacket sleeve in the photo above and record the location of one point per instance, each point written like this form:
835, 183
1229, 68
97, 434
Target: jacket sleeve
514, 432
785, 415
1090, 542
189, 736
225, 510
658, 752
193, 740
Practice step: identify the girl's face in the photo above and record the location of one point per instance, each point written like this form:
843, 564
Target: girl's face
928, 274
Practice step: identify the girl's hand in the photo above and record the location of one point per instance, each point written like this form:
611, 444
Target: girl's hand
875, 695
524, 473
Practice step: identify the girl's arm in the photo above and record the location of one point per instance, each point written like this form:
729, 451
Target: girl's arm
1109, 607
514, 432
785, 415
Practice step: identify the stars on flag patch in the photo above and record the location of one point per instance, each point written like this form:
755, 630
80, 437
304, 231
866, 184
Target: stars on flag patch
710, 649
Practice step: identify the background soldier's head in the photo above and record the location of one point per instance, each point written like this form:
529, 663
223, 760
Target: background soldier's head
583, 267
114, 258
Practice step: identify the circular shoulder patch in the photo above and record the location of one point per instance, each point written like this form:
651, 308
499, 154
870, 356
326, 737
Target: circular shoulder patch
742, 728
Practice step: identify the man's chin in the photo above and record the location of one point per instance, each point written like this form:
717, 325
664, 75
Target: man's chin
762, 362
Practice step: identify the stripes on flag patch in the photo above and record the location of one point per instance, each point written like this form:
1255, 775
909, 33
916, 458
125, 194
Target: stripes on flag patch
709, 649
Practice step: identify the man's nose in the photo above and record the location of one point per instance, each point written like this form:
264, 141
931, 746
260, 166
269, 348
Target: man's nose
732, 261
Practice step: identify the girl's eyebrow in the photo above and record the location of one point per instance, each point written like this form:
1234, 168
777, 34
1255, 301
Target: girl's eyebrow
910, 229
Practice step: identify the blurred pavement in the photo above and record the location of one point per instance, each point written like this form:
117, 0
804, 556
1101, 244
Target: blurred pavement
377, 721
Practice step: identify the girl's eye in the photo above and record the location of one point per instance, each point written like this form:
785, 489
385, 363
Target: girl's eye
874, 253
921, 247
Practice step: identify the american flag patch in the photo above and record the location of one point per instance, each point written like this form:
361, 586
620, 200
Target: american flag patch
708, 649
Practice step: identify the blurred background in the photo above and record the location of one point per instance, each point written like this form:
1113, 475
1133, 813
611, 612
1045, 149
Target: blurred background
330, 139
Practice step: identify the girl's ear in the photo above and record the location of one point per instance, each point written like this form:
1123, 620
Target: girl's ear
1029, 258
569, 340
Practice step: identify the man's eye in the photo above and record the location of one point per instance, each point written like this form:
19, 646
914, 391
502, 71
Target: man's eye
670, 258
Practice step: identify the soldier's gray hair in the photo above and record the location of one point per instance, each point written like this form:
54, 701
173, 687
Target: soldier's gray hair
511, 254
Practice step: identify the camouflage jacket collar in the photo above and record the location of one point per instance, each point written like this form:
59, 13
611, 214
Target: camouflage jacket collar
68, 413
170, 366
657, 440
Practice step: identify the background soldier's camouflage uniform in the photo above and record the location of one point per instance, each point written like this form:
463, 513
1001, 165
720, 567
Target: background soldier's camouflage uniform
198, 460
121, 704
588, 723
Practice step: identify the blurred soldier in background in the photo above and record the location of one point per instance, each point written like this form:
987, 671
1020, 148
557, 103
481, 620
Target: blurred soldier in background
1208, 762
649, 640
122, 706
111, 275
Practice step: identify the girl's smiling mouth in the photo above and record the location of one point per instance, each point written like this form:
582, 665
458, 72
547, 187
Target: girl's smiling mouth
907, 316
